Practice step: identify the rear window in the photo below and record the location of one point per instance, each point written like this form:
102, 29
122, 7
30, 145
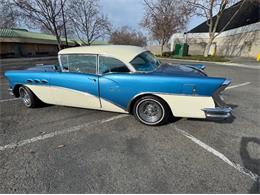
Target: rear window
145, 61
109, 64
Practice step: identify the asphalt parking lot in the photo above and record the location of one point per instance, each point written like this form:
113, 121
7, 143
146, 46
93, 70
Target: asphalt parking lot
57, 149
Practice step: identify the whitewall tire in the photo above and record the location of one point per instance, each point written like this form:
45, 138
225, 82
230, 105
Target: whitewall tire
28, 98
151, 110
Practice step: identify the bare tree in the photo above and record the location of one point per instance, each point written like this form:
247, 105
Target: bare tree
46, 14
89, 24
8, 14
163, 18
127, 36
207, 8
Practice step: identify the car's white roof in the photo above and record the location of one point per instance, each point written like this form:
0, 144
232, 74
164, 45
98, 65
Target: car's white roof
125, 53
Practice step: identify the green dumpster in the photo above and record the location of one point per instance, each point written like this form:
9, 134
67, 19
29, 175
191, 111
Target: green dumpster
181, 49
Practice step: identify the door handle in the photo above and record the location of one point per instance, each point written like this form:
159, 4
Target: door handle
44, 81
92, 79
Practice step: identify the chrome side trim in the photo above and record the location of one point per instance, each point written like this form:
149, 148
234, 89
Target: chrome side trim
101, 98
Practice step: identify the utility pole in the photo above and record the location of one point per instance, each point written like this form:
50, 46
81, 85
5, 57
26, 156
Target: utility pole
64, 23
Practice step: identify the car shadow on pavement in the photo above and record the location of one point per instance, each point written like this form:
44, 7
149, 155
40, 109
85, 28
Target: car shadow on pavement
172, 119
252, 164
43, 105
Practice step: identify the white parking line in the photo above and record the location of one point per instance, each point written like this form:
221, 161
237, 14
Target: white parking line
239, 85
238, 167
59, 132
9, 100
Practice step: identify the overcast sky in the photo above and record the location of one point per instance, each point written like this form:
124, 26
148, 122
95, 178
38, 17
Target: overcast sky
130, 13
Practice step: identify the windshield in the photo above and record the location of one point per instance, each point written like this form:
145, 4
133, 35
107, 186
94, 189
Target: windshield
145, 61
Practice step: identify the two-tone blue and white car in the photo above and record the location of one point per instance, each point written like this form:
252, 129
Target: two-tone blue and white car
124, 79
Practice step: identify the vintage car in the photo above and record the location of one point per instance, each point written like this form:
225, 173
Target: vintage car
124, 79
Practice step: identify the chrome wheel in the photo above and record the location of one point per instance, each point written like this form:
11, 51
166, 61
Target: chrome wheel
150, 111
25, 96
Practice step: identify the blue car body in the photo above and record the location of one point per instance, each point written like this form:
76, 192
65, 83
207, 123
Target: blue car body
187, 90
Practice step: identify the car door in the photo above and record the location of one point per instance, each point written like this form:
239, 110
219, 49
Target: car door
112, 83
77, 84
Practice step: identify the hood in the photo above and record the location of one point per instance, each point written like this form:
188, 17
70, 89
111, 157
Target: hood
179, 70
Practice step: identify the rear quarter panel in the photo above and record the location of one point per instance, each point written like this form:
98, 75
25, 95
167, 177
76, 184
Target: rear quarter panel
122, 88
20, 77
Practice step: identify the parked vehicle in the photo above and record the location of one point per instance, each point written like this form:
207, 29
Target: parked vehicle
125, 79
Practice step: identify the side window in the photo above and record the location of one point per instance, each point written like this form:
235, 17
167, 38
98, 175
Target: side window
108, 64
79, 63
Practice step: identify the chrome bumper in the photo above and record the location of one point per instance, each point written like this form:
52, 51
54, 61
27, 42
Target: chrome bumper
10, 91
218, 112
221, 110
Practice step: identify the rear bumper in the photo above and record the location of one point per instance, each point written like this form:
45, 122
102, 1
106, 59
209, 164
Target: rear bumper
221, 110
218, 112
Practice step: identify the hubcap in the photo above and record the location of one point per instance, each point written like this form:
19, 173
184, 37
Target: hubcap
150, 111
25, 96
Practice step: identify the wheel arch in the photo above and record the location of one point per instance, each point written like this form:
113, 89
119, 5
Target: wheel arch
138, 96
16, 90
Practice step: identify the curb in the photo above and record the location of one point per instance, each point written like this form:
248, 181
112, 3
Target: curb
215, 63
